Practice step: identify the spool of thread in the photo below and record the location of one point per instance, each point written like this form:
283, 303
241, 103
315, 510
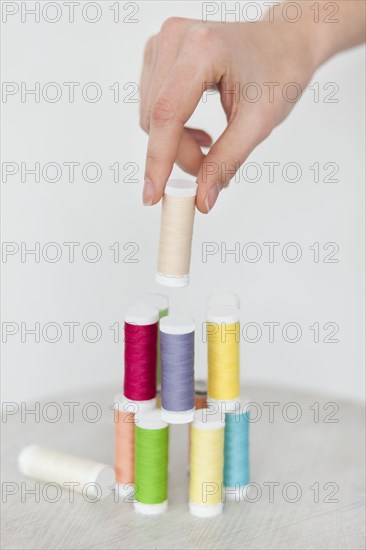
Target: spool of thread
92, 478
161, 303
200, 394
236, 453
224, 299
207, 462
200, 402
177, 369
125, 441
151, 463
176, 230
141, 336
223, 335
158, 398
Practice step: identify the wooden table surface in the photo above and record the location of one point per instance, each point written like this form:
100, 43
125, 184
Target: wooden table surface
317, 461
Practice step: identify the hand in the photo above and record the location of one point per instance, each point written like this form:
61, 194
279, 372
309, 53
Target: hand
251, 65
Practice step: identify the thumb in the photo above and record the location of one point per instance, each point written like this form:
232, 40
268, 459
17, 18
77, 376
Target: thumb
224, 159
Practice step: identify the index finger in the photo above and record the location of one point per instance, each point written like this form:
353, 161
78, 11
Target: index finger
174, 105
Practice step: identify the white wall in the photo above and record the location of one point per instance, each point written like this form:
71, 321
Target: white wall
106, 212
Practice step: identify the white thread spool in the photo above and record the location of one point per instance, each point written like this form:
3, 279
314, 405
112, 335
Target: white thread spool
223, 299
176, 230
150, 420
125, 406
55, 467
206, 420
177, 324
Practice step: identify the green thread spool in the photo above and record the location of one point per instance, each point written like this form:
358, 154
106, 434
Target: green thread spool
151, 463
161, 303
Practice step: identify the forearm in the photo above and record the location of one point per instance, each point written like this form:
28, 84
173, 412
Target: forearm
325, 27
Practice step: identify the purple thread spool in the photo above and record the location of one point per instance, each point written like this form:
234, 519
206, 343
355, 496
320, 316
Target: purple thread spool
177, 369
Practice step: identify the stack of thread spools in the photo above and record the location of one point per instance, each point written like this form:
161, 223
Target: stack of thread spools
159, 346
159, 389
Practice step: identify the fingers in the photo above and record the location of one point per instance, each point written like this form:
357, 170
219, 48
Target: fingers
167, 47
202, 138
150, 57
190, 156
174, 105
226, 156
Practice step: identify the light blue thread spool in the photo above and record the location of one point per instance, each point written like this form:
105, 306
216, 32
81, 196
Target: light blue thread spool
236, 454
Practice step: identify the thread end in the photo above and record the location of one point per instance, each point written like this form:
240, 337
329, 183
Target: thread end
201, 511
151, 509
174, 282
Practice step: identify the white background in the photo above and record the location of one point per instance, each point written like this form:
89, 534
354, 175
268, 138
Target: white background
106, 212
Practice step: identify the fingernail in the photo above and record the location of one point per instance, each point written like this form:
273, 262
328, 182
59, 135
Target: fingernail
212, 196
148, 193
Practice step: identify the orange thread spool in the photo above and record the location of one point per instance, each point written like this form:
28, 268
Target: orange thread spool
124, 418
125, 447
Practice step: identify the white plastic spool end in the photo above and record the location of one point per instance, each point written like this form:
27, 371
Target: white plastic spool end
205, 419
236, 494
131, 406
201, 511
151, 509
150, 420
177, 417
124, 490
173, 282
223, 314
141, 315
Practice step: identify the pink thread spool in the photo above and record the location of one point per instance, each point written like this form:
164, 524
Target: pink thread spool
141, 337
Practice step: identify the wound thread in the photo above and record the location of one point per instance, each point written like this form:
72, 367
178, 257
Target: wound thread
223, 334
206, 464
141, 334
151, 462
200, 394
61, 468
124, 447
236, 449
176, 230
177, 361
161, 303
124, 418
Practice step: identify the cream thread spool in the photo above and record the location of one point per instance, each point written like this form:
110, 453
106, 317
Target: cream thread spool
223, 340
176, 230
125, 411
55, 467
206, 464
223, 299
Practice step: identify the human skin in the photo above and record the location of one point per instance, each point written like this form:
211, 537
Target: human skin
189, 56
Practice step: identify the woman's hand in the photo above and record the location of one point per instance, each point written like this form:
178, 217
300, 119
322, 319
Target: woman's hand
259, 69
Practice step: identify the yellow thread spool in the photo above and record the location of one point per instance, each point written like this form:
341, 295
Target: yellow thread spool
176, 230
206, 464
223, 336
